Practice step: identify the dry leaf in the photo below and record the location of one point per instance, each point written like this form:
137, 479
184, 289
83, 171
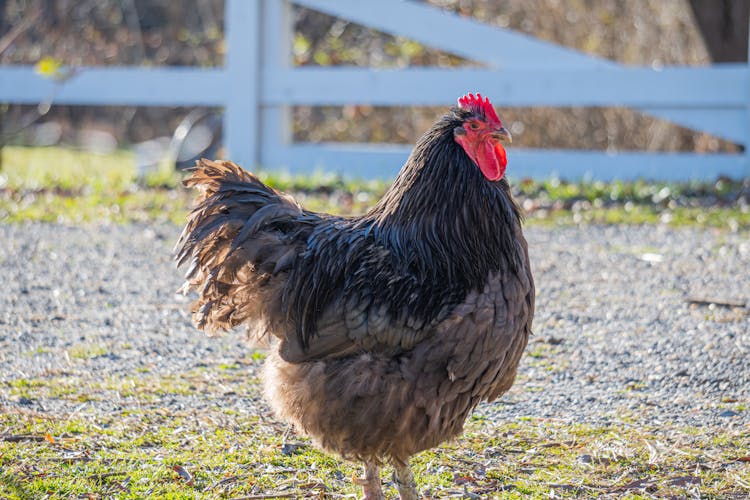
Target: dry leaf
184, 474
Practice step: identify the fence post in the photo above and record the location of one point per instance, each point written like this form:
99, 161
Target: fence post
242, 22
276, 57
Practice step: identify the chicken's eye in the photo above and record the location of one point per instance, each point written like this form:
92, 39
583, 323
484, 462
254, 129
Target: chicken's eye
474, 126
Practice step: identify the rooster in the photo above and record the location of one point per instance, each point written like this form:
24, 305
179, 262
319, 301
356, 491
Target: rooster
386, 329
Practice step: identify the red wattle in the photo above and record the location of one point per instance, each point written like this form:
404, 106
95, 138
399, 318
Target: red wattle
502, 156
492, 160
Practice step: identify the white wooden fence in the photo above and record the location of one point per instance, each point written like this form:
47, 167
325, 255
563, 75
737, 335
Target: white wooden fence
258, 85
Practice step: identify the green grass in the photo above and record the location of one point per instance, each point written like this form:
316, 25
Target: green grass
86, 351
62, 185
66, 170
230, 450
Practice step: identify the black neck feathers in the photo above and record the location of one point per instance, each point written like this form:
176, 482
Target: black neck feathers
444, 217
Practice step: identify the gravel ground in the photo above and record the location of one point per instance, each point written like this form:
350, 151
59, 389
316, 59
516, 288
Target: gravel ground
616, 338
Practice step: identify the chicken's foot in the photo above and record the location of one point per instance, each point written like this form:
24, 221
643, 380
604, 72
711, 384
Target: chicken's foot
371, 483
404, 479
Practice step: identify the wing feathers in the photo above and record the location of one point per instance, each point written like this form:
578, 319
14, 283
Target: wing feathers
315, 281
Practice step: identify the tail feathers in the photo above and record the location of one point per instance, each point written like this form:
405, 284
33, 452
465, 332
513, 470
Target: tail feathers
240, 239
211, 175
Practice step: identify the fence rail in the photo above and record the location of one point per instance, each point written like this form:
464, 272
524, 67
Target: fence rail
258, 85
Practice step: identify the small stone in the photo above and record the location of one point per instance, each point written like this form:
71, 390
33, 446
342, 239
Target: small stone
292, 448
728, 413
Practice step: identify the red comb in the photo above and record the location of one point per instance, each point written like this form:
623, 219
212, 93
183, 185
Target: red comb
475, 104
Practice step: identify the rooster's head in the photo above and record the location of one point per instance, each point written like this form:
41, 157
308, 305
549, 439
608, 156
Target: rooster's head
480, 135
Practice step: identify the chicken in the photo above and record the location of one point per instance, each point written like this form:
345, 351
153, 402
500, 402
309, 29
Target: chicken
386, 329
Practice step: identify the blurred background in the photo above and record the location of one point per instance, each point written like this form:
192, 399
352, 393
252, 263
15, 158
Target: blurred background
190, 32
46, 162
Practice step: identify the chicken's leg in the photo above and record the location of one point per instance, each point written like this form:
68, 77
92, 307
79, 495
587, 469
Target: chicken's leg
404, 479
371, 483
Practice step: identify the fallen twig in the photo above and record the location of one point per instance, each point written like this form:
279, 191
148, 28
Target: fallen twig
104, 475
227, 481
23, 437
707, 301
269, 495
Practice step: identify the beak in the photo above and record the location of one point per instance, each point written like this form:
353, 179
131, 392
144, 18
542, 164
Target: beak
502, 134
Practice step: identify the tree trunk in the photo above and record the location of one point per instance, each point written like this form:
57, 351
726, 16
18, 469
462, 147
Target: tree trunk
724, 25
